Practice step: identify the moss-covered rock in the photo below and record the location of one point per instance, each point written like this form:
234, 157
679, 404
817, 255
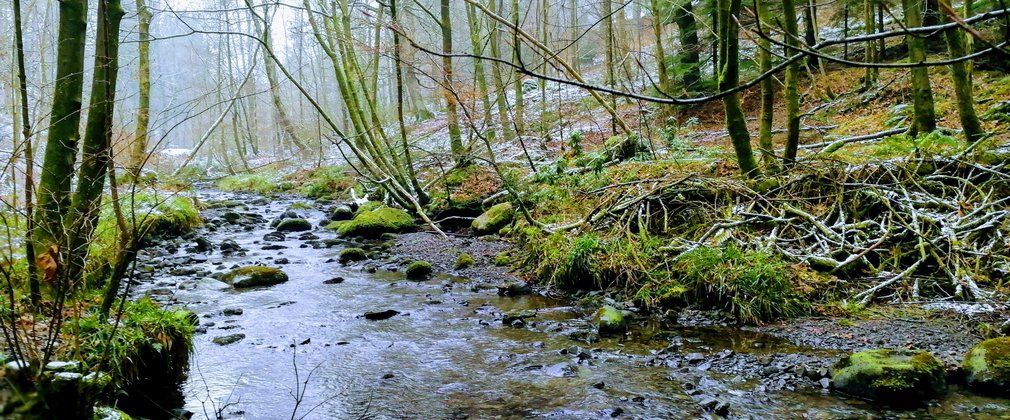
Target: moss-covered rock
294, 225
418, 269
464, 261
254, 276
896, 377
987, 366
373, 223
352, 254
502, 259
341, 212
494, 219
610, 319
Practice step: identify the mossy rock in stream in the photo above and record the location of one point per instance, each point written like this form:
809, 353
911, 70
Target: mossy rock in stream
352, 254
609, 319
494, 219
464, 261
418, 269
294, 225
893, 377
373, 223
987, 366
254, 276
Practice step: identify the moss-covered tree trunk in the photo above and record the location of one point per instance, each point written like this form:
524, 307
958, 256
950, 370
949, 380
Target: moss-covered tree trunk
97, 137
270, 68
729, 77
478, 65
767, 89
962, 83
455, 137
139, 150
810, 33
65, 119
792, 96
517, 78
422, 197
924, 118
690, 45
870, 53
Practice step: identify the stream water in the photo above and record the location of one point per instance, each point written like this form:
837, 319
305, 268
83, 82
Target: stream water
307, 349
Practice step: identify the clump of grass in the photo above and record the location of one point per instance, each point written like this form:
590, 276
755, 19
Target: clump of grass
323, 182
148, 342
755, 286
149, 212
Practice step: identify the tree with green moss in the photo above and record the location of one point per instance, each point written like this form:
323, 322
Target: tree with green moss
924, 113
61, 144
960, 72
792, 96
729, 78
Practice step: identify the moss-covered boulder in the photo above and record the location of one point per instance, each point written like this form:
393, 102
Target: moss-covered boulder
494, 219
254, 276
373, 223
352, 254
294, 225
341, 212
895, 377
464, 261
418, 269
610, 319
987, 366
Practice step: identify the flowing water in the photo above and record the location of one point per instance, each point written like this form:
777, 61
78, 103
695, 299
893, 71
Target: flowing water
307, 350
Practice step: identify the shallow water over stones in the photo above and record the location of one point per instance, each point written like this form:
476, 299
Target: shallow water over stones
445, 352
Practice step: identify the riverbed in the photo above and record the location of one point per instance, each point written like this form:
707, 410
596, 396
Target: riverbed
307, 351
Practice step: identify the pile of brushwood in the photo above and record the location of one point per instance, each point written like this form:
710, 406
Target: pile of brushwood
913, 229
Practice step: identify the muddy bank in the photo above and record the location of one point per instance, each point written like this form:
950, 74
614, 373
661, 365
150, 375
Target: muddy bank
362, 339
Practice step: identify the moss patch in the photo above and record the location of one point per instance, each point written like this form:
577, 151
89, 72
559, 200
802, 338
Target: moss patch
464, 261
897, 377
294, 225
418, 269
494, 219
987, 366
352, 254
254, 276
373, 223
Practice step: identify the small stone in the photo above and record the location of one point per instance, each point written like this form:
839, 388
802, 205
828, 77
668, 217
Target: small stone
599, 385
381, 315
335, 280
228, 339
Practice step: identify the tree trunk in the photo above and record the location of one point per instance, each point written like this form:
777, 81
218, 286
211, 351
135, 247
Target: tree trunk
35, 293
608, 24
455, 137
657, 30
736, 122
139, 152
922, 93
478, 65
422, 197
767, 89
690, 45
87, 200
810, 23
65, 119
962, 84
517, 78
792, 96
270, 68
499, 82
870, 49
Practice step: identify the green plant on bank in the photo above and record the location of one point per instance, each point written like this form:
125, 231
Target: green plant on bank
324, 182
155, 213
147, 338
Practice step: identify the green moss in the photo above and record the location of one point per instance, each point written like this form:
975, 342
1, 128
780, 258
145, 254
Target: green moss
894, 376
610, 319
324, 182
294, 225
254, 183
372, 224
150, 212
367, 207
418, 269
987, 366
352, 254
464, 261
502, 259
494, 219
299, 205
254, 276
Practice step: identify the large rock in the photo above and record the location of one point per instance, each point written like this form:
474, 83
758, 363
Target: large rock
493, 220
896, 377
341, 212
987, 366
254, 276
294, 225
418, 269
352, 254
610, 319
374, 223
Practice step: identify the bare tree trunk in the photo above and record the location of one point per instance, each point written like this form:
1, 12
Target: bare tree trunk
736, 122
139, 151
35, 293
792, 97
922, 92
